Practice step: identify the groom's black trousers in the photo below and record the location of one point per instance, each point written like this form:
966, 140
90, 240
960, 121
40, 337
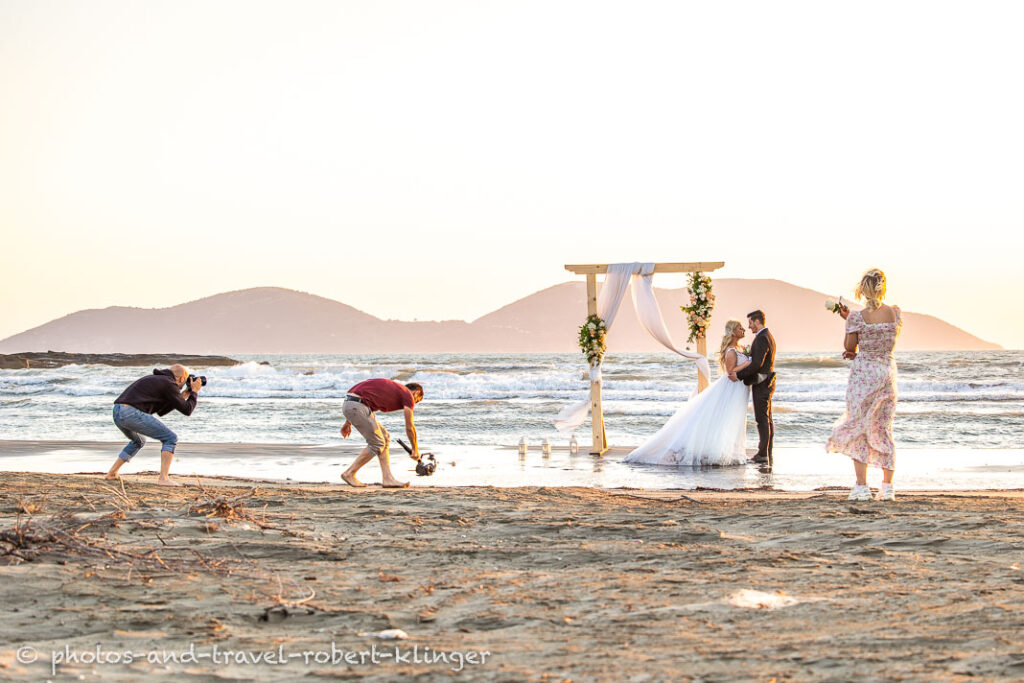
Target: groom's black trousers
762, 396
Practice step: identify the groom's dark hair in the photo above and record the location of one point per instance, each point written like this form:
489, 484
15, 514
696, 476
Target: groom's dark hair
757, 315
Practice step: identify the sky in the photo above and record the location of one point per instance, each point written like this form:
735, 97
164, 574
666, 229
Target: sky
437, 160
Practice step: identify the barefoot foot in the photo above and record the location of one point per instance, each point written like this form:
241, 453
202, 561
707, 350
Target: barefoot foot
167, 482
395, 484
351, 480
112, 477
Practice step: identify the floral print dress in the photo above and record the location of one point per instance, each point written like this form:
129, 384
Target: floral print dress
864, 432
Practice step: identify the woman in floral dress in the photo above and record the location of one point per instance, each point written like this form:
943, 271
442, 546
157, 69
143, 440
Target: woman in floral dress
864, 432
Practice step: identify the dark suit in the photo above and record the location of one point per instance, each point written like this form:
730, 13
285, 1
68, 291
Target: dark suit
762, 362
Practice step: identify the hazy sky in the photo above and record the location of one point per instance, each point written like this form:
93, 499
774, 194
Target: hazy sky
434, 160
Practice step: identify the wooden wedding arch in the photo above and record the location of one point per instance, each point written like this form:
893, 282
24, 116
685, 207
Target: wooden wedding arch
600, 442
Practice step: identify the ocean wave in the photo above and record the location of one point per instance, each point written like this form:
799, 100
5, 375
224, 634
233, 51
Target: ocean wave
471, 379
268, 383
252, 380
812, 362
247, 370
89, 391
7, 381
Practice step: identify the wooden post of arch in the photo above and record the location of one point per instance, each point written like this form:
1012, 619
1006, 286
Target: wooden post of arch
702, 349
600, 442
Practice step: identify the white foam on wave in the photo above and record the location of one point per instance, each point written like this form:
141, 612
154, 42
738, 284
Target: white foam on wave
249, 369
258, 381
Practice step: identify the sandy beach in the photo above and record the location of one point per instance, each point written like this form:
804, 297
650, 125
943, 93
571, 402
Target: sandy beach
507, 584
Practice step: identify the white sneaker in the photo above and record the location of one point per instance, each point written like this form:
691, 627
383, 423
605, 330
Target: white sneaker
860, 493
886, 492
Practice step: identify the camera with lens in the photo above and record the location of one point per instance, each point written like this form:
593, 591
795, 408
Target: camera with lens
201, 378
426, 465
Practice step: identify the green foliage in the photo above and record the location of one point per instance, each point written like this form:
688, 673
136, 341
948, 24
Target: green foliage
592, 334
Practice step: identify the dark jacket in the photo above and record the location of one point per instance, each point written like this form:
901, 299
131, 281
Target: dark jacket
762, 359
158, 393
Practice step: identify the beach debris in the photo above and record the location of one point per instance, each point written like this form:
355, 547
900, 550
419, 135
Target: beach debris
274, 613
63, 537
222, 506
655, 499
24, 507
752, 599
232, 508
386, 634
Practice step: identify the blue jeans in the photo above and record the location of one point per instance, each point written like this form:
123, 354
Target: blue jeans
137, 425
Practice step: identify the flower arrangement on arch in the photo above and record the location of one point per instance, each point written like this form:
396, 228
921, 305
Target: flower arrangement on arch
592, 334
702, 302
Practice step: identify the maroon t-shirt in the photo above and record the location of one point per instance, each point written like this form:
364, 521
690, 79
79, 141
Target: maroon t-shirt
384, 395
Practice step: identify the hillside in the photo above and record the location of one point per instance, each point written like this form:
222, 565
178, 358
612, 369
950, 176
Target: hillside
276, 320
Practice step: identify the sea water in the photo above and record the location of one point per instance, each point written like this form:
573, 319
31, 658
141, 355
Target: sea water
957, 402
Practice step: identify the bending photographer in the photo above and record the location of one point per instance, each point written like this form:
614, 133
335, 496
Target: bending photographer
362, 401
134, 409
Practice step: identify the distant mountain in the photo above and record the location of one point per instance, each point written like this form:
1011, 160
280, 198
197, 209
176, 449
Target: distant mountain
796, 316
274, 320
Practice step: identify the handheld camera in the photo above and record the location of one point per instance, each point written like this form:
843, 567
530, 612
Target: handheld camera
426, 465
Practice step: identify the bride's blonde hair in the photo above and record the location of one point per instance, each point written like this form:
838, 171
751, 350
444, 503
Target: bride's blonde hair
871, 288
730, 330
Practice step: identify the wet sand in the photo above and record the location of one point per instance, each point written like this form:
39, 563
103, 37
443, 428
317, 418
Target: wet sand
796, 468
552, 583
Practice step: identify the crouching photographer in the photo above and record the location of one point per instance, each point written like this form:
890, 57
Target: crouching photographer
134, 409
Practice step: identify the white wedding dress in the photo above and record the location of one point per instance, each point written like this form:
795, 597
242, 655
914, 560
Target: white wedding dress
710, 429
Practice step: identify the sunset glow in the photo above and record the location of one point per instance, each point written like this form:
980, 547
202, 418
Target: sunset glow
438, 160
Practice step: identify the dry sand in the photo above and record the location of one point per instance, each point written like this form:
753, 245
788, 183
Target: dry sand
553, 583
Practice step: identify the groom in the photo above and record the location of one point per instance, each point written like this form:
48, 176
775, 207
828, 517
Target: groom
760, 376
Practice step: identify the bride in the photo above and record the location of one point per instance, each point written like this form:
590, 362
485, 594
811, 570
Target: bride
711, 428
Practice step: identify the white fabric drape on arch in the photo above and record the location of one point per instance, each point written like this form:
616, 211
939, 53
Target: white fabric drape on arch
641, 275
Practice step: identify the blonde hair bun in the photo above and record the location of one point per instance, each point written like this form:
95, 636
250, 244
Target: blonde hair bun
871, 288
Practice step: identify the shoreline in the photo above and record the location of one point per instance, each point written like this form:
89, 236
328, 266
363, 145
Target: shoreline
795, 469
551, 581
